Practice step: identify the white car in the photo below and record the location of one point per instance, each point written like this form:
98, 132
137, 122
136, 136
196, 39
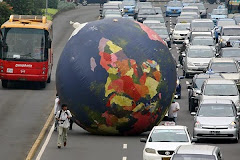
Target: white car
163, 140
180, 32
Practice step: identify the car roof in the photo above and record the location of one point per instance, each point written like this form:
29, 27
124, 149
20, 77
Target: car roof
151, 21
230, 48
203, 37
219, 101
183, 24
196, 149
189, 13
219, 81
226, 19
206, 75
223, 60
170, 127
199, 47
231, 26
202, 20
190, 7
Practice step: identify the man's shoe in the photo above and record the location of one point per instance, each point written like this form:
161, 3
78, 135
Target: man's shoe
65, 143
59, 147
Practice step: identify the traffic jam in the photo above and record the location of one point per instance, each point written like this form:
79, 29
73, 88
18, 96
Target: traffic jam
208, 58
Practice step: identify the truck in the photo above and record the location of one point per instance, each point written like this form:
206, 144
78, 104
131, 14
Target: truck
26, 50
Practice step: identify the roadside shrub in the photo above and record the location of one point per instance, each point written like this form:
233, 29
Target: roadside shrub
65, 5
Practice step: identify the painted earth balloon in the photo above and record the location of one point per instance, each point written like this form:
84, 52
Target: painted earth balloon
117, 77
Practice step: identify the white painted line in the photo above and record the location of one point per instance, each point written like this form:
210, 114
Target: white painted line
170, 25
124, 146
176, 47
175, 44
170, 22
45, 143
124, 158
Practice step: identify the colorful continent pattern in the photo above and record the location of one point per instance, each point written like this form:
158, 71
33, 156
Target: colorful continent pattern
130, 89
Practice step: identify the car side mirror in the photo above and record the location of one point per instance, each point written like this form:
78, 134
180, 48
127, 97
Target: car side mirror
238, 114
193, 113
144, 140
209, 14
181, 77
204, 70
188, 28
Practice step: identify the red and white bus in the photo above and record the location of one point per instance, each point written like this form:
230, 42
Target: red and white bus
26, 50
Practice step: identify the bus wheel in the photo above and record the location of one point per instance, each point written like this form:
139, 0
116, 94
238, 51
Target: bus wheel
42, 84
49, 79
4, 83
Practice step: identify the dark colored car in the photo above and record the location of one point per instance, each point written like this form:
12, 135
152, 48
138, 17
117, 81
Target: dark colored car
194, 89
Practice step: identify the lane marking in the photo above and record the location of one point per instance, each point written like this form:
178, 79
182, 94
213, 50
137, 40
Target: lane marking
40, 136
175, 44
124, 146
45, 143
124, 158
170, 25
170, 22
176, 47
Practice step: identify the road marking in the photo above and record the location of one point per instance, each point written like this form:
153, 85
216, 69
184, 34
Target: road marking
175, 44
124, 146
170, 25
170, 22
124, 158
40, 136
45, 143
176, 47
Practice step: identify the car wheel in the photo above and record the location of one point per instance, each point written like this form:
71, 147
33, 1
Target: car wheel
4, 83
42, 84
236, 140
49, 79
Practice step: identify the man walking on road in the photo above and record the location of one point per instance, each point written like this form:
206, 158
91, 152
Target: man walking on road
172, 113
63, 116
57, 107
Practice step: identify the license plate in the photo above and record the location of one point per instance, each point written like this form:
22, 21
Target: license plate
9, 70
214, 132
174, 11
166, 158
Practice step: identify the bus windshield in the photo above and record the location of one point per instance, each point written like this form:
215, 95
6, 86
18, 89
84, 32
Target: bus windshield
25, 44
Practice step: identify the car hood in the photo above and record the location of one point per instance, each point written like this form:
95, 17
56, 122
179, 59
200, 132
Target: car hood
199, 60
218, 16
232, 76
235, 99
181, 32
226, 38
215, 121
170, 146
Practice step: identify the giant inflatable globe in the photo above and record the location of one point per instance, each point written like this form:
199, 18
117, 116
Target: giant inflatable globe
117, 77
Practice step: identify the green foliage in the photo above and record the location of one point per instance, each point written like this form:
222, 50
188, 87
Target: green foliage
5, 12
27, 7
65, 5
53, 4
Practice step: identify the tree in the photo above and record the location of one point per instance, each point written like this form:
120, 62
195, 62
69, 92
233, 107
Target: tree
27, 7
5, 12
53, 3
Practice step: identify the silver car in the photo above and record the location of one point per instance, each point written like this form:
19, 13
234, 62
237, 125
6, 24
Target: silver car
196, 59
219, 88
228, 68
197, 152
216, 119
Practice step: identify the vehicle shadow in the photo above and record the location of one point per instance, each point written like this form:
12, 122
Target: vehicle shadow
24, 85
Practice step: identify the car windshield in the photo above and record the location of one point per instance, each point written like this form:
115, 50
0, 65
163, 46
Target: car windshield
208, 25
25, 44
219, 12
184, 19
203, 42
189, 10
200, 53
174, 4
221, 90
147, 11
231, 53
161, 19
224, 67
231, 32
216, 110
199, 82
193, 157
226, 22
161, 31
182, 27
169, 135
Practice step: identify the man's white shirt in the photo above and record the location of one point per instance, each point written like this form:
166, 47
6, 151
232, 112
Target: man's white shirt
64, 121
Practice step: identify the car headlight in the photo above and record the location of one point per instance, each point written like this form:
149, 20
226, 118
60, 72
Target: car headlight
198, 125
190, 63
150, 150
232, 125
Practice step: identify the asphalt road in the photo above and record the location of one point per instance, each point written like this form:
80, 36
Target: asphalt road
25, 109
